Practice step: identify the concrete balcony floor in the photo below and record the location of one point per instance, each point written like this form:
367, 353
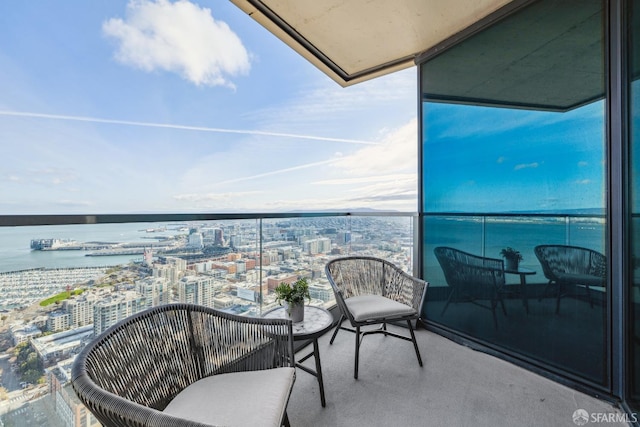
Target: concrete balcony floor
457, 386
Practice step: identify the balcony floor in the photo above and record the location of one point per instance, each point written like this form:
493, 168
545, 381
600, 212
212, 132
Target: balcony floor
457, 386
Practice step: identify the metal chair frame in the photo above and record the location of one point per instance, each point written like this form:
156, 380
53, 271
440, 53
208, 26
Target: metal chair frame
362, 275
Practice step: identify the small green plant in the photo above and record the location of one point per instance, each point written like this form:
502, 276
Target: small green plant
511, 254
294, 293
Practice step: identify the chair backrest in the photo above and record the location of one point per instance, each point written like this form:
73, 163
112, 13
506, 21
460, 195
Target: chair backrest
462, 269
151, 356
570, 260
362, 275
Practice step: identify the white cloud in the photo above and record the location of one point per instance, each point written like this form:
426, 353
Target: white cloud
526, 166
396, 153
178, 37
323, 106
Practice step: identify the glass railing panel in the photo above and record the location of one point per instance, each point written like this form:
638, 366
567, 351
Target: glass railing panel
523, 234
64, 284
296, 248
462, 232
587, 231
519, 310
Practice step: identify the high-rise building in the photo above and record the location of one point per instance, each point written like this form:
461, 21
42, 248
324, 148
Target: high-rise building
114, 308
197, 290
80, 309
155, 290
195, 239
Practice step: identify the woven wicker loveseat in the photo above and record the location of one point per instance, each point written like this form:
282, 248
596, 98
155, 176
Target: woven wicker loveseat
188, 365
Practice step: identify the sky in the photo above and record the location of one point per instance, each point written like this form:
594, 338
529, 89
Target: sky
145, 106
158, 106
510, 160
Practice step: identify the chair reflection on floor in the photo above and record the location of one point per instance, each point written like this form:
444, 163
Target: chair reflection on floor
472, 278
572, 266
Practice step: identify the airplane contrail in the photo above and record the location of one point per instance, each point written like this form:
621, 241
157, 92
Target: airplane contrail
183, 127
279, 171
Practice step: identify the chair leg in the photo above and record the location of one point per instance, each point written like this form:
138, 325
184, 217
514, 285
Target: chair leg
493, 312
544, 292
415, 343
589, 296
447, 303
333, 337
285, 422
501, 300
355, 371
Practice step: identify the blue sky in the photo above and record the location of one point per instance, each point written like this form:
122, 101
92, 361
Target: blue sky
514, 160
156, 106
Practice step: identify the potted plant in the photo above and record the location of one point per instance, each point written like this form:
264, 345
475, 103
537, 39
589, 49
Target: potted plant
293, 296
512, 258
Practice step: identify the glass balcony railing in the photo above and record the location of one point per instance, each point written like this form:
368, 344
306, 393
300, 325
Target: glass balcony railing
526, 312
63, 284
66, 282
487, 235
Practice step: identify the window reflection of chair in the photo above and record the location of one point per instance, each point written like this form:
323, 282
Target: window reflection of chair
570, 266
472, 278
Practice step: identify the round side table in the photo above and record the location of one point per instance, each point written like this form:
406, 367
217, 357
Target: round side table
316, 322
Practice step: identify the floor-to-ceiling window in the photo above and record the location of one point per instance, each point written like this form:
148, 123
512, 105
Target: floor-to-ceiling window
514, 160
633, 300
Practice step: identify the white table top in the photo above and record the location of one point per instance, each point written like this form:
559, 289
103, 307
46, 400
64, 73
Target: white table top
316, 319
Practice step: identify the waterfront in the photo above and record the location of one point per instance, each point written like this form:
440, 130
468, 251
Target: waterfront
16, 254
22, 288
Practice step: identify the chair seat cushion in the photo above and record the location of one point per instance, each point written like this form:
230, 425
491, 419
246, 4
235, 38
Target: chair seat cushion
253, 398
371, 307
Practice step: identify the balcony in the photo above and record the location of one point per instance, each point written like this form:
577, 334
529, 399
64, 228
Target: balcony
457, 386
287, 244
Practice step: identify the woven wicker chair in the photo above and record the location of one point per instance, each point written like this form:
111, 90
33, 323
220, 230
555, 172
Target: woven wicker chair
472, 278
372, 291
188, 365
570, 266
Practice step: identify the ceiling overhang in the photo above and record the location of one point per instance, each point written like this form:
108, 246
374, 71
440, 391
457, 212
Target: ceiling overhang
546, 56
356, 40
542, 54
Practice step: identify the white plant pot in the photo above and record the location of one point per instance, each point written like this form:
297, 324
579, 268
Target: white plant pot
295, 312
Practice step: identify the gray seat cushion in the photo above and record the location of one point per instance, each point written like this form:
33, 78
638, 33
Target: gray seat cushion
252, 399
369, 307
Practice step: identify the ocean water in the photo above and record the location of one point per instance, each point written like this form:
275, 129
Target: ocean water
16, 253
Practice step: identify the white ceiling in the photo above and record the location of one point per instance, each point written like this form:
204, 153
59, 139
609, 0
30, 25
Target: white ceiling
355, 40
547, 55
